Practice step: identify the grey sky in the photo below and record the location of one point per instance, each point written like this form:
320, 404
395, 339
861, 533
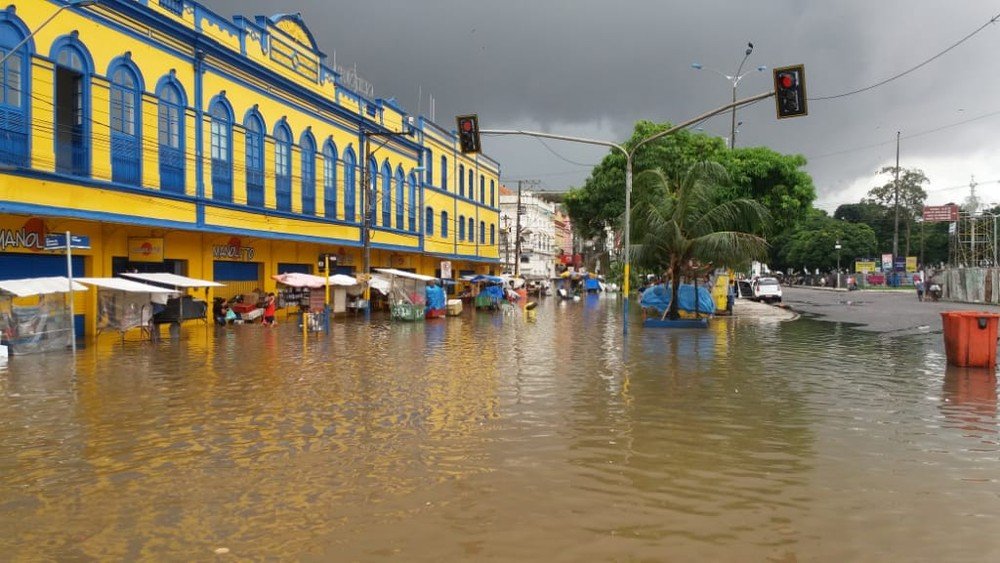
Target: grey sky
592, 68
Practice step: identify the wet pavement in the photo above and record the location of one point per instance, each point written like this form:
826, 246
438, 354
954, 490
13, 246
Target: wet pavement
499, 437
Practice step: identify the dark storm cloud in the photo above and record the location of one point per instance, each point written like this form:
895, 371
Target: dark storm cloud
593, 68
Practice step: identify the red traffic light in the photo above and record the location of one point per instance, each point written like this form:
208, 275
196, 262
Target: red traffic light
787, 80
468, 133
466, 124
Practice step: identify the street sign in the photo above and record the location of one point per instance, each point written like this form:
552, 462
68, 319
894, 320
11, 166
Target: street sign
55, 241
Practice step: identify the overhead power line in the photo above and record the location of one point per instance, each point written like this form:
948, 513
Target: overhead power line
911, 69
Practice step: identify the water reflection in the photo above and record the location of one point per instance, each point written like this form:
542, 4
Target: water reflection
486, 436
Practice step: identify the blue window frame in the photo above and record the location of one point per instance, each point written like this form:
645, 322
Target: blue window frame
330, 180
461, 180
170, 120
221, 144
400, 191
482, 232
308, 148
283, 167
471, 233
493, 193
73, 70
429, 159
429, 222
461, 227
472, 183
370, 196
444, 173
350, 184
493, 234
482, 189
444, 224
15, 91
254, 126
125, 125
411, 183
386, 195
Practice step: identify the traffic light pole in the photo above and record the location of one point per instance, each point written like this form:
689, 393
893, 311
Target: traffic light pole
629, 154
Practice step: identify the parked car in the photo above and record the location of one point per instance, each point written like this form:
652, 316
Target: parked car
767, 290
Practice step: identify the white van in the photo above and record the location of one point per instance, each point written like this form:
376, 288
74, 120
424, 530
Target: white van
767, 290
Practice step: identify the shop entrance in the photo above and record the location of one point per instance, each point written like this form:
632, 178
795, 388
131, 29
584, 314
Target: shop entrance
241, 278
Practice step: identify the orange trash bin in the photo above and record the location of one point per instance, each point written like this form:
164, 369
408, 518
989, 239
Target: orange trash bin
970, 338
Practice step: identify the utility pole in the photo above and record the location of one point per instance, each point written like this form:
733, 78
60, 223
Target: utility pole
506, 241
895, 229
517, 233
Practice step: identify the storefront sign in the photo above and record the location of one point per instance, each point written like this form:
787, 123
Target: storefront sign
233, 250
446, 269
145, 249
31, 236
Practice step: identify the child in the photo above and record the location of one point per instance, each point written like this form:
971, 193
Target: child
269, 306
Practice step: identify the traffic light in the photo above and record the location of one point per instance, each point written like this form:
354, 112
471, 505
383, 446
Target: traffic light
790, 91
468, 133
323, 259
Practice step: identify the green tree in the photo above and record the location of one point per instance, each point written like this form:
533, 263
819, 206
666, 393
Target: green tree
812, 244
910, 193
688, 225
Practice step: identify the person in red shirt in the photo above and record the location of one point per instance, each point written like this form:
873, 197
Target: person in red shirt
269, 306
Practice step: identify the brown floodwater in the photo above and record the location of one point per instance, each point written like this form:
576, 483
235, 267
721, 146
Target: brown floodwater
491, 437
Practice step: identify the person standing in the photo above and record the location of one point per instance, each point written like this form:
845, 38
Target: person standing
919, 284
269, 307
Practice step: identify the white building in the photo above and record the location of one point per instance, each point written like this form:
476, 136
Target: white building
538, 234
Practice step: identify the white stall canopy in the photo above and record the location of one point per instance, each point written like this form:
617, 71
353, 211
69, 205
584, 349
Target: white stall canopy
172, 280
38, 286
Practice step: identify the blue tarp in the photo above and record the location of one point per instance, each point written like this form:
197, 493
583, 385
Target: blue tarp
494, 293
435, 297
658, 297
591, 284
486, 278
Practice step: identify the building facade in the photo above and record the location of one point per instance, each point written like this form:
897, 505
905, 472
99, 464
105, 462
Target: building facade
224, 149
537, 234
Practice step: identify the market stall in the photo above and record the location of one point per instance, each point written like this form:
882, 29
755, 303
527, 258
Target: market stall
407, 293
181, 308
489, 291
124, 304
35, 315
312, 290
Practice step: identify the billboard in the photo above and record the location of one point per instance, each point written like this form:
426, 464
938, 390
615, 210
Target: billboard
887, 262
911, 264
864, 266
939, 213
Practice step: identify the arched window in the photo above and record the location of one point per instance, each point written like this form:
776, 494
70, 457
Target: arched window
170, 125
429, 159
482, 232
411, 182
125, 125
472, 185
283, 167
330, 180
444, 224
15, 90
429, 222
482, 189
386, 195
72, 106
461, 180
350, 184
254, 125
308, 148
493, 234
444, 173
461, 227
493, 193
399, 199
222, 150
370, 196
471, 233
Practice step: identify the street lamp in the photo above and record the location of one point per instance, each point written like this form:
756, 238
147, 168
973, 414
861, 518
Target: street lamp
734, 79
837, 247
68, 4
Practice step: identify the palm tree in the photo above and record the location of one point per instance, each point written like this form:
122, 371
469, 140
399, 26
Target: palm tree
689, 225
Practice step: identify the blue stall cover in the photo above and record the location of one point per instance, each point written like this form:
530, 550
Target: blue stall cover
592, 284
435, 297
658, 297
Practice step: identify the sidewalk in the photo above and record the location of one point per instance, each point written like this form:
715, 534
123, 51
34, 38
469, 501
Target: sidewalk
747, 309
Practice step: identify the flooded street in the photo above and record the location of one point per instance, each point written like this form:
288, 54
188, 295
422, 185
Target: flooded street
489, 437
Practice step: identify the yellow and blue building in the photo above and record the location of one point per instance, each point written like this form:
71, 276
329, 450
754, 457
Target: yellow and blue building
225, 149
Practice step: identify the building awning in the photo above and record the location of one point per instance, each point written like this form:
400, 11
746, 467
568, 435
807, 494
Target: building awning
296, 279
404, 274
38, 286
172, 280
122, 284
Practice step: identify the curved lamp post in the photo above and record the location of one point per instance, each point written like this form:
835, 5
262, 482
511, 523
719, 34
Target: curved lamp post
733, 79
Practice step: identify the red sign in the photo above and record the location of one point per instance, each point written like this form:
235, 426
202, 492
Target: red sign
938, 213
